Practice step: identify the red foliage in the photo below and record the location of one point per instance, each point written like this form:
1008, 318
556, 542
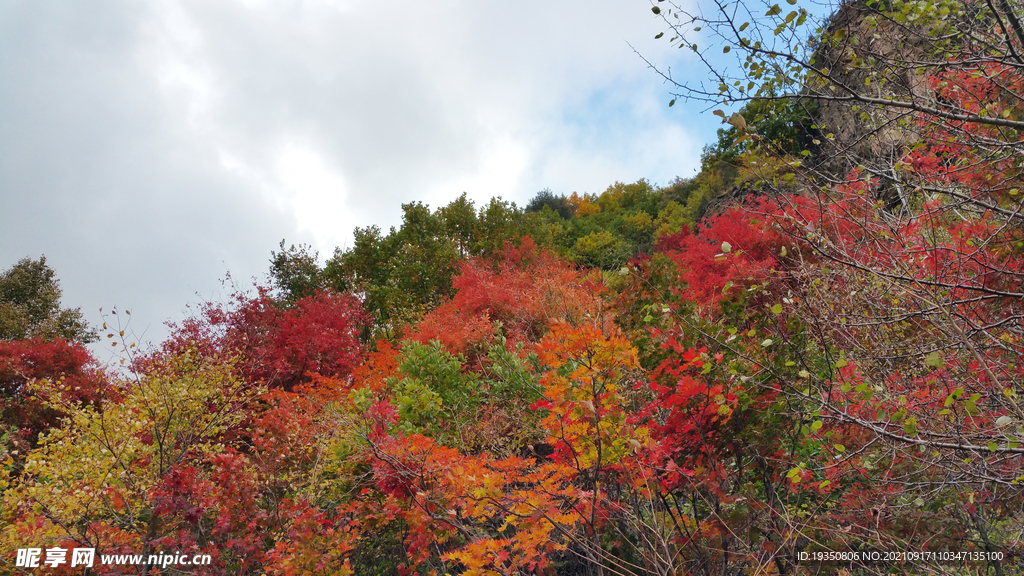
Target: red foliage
275, 345
526, 290
24, 360
672, 242
705, 265
376, 368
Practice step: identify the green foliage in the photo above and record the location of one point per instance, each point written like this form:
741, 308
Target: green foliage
782, 127
557, 203
510, 376
434, 393
295, 272
30, 305
402, 275
601, 249
460, 221
640, 195
499, 222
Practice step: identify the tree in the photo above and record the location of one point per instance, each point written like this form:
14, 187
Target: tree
25, 415
30, 306
518, 296
876, 77
280, 347
903, 255
400, 276
39, 339
934, 93
461, 224
96, 481
193, 459
558, 204
296, 273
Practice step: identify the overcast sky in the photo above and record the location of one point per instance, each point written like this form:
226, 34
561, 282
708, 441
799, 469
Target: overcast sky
148, 147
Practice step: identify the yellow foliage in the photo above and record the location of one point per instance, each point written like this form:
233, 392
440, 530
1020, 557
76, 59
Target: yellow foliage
583, 205
638, 221
601, 249
102, 464
671, 219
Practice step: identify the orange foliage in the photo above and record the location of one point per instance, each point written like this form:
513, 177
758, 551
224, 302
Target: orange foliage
583, 205
376, 368
526, 290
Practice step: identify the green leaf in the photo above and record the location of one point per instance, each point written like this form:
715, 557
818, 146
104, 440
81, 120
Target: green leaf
934, 360
1003, 421
910, 426
816, 425
840, 448
824, 483
655, 9
660, 34
777, 309
992, 446
773, 10
841, 363
726, 247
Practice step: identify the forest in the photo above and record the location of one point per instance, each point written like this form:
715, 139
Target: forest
803, 360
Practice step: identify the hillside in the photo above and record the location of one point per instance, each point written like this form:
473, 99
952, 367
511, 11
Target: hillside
803, 360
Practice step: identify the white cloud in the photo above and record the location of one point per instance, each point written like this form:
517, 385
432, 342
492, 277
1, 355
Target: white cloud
147, 148
318, 196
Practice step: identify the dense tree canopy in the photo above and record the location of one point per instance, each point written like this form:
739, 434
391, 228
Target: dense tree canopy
804, 360
40, 339
30, 305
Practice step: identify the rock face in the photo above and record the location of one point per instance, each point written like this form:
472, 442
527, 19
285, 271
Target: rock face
867, 55
865, 61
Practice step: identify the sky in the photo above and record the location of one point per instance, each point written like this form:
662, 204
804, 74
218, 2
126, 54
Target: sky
149, 148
